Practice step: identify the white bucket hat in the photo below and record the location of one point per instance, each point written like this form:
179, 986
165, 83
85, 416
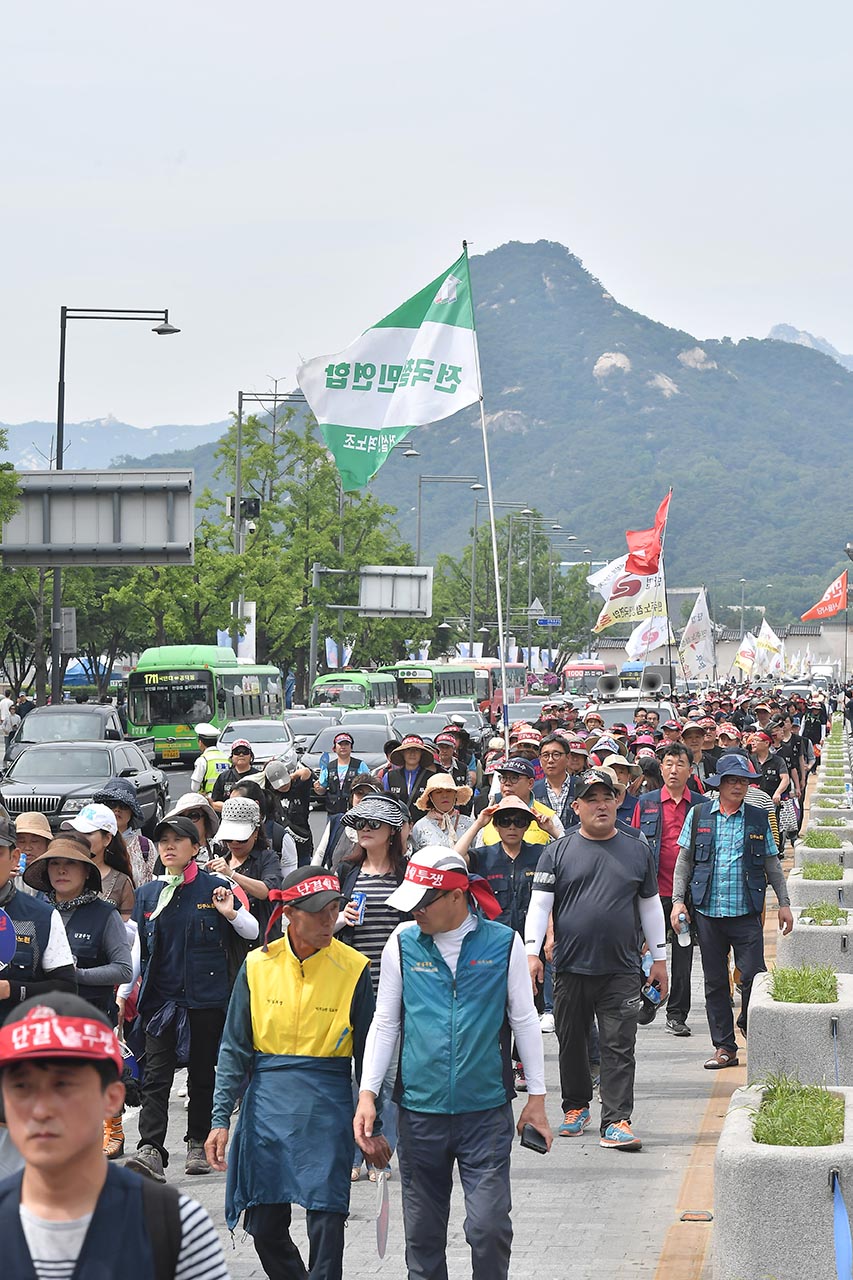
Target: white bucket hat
240, 818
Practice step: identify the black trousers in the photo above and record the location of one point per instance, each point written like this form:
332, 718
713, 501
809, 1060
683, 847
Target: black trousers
745, 934
614, 999
269, 1227
161, 1061
680, 973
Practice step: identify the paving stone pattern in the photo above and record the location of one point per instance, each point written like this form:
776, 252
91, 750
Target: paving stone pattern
582, 1211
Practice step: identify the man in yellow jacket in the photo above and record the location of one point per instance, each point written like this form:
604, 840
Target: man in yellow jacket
299, 1014
517, 776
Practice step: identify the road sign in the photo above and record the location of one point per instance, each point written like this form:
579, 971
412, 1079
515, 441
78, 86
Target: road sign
536, 609
549, 622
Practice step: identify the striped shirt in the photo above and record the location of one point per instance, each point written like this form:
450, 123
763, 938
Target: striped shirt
379, 921
55, 1246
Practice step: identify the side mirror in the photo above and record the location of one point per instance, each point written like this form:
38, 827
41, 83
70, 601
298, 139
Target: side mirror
127, 773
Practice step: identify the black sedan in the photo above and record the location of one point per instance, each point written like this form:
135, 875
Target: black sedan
368, 745
305, 725
59, 778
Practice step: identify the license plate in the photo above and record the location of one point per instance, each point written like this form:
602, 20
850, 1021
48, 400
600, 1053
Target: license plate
171, 753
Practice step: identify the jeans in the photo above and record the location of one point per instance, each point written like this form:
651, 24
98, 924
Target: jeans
480, 1142
269, 1227
681, 969
716, 935
614, 999
160, 1064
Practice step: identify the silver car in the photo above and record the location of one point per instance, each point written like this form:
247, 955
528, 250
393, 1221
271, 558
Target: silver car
269, 740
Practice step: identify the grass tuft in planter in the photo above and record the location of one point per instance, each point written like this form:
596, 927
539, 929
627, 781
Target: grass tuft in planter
822, 871
823, 913
807, 984
830, 822
821, 840
827, 802
798, 1115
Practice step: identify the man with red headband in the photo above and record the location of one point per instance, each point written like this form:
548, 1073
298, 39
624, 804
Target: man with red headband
454, 985
69, 1211
298, 1016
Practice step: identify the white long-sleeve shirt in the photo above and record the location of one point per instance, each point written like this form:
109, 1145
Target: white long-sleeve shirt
385, 1027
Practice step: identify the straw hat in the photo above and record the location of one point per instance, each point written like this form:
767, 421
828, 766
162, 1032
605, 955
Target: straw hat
442, 782
36, 873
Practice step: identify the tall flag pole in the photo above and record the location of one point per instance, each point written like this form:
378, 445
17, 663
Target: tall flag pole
490, 498
645, 556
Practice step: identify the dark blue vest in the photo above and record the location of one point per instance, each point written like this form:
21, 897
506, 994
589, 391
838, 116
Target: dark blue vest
197, 936
755, 828
650, 817
510, 879
31, 918
116, 1243
566, 813
85, 930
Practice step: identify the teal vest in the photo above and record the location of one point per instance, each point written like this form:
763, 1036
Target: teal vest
455, 1049
755, 828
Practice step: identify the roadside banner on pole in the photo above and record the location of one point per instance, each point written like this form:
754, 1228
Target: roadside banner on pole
745, 656
417, 365
697, 642
833, 600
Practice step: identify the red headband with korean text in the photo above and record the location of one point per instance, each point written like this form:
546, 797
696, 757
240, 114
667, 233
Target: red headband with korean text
434, 878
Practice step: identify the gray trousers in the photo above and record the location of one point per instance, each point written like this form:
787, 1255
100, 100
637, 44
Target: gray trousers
480, 1142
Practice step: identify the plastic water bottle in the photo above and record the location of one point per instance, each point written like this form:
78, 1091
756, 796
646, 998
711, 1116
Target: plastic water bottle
848, 795
683, 934
647, 963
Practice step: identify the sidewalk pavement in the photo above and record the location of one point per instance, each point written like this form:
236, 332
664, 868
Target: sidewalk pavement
582, 1211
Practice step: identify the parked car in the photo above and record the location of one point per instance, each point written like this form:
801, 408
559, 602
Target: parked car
368, 715
269, 739
305, 725
71, 722
59, 778
368, 744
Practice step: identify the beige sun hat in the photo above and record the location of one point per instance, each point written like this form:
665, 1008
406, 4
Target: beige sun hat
442, 782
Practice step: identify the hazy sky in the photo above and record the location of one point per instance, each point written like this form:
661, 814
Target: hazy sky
281, 176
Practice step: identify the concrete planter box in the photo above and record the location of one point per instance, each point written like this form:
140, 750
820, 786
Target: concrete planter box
830, 944
818, 811
802, 892
773, 1205
844, 833
796, 1039
843, 856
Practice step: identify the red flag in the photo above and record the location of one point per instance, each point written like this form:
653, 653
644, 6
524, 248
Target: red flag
644, 545
833, 600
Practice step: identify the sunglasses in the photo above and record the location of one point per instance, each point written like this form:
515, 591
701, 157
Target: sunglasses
512, 820
372, 824
240, 751
194, 815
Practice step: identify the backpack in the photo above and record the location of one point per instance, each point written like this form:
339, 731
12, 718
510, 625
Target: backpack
162, 1215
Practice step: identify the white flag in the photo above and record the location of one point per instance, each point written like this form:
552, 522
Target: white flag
697, 642
602, 580
633, 597
648, 636
767, 648
745, 656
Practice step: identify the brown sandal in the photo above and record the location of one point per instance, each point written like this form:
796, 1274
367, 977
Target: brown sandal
722, 1058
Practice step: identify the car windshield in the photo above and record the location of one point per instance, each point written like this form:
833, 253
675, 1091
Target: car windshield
425, 726
518, 712
267, 732
366, 738
307, 726
63, 726
364, 717
623, 712
453, 704
72, 765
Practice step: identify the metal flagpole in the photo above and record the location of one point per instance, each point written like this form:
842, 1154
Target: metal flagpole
491, 501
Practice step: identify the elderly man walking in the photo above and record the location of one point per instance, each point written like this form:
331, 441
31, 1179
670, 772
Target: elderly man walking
727, 857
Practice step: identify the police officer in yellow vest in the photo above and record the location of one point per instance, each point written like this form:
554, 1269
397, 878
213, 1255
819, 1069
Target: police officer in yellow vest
299, 1014
211, 762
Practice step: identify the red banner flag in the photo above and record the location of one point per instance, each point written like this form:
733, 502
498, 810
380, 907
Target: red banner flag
833, 600
644, 545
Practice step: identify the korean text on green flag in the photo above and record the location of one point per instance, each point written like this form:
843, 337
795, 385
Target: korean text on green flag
418, 365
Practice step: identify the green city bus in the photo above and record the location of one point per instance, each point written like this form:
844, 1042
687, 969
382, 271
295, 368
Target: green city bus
354, 690
175, 687
422, 683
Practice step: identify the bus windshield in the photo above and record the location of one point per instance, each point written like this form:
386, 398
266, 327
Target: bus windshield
170, 697
340, 695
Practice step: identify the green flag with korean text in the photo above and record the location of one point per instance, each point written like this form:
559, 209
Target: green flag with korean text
418, 365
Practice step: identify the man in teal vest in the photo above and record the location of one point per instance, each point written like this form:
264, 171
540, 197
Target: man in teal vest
727, 857
454, 984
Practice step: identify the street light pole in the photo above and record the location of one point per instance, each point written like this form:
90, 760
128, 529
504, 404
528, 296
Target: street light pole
742, 604
472, 481
163, 329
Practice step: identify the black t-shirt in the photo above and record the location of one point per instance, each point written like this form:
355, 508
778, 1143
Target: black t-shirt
597, 885
770, 772
791, 752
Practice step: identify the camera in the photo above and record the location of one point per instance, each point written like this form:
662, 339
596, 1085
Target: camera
251, 527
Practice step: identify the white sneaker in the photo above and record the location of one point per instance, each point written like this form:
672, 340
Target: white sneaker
546, 1022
